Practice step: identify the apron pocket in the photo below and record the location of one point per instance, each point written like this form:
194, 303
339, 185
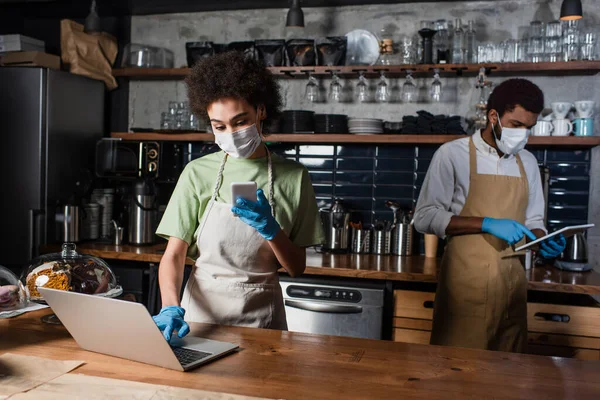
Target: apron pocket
467, 287
235, 304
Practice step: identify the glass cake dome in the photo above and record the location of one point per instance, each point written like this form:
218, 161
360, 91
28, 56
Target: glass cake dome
71, 271
13, 295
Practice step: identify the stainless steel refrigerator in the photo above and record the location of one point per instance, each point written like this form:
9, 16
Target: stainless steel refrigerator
49, 123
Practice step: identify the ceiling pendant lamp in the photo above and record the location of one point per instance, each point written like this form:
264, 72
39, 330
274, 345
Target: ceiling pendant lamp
571, 10
295, 16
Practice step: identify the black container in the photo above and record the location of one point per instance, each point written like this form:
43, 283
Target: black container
198, 50
301, 52
271, 52
427, 35
331, 51
247, 48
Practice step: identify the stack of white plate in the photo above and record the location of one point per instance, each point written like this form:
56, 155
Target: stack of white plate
365, 125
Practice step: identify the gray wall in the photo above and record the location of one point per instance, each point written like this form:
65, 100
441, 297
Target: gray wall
495, 21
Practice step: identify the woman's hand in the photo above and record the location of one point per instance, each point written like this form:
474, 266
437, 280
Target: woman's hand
258, 215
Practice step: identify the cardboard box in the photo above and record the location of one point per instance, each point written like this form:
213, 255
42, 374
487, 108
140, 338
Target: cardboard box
20, 43
30, 59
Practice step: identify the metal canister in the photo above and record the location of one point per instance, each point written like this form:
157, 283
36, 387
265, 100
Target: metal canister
361, 241
402, 239
381, 242
68, 221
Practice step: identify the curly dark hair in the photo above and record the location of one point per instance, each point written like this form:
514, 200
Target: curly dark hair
231, 74
512, 92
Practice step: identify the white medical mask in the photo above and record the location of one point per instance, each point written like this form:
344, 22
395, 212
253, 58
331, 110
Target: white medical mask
241, 143
513, 140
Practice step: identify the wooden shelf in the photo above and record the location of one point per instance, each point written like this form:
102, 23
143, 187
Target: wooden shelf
569, 141
546, 68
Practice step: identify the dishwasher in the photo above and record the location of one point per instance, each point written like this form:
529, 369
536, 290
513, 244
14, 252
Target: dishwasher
330, 307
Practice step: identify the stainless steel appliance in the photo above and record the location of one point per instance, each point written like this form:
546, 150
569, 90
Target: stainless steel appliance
68, 222
333, 308
336, 222
575, 256
50, 121
142, 212
116, 158
576, 250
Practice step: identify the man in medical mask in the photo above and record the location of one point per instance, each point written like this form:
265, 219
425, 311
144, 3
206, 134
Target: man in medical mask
485, 194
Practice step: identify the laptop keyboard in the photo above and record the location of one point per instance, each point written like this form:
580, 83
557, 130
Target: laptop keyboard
187, 356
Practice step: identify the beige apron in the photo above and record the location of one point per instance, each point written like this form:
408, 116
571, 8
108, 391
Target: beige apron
234, 280
481, 298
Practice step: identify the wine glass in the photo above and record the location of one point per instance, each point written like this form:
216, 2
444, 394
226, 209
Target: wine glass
382, 95
335, 89
312, 89
436, 87
409, 89
362, 89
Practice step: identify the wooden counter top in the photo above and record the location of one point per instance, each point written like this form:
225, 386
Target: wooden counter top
288, 365
393, 268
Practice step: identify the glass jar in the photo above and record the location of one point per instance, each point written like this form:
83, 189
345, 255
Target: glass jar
70, 271
13, 295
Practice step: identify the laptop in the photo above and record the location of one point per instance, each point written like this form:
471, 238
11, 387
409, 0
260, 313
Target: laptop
125, 329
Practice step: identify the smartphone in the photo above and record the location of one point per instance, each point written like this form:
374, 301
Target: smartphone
245, 190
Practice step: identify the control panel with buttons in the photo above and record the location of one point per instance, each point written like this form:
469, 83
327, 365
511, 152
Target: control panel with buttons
332, 294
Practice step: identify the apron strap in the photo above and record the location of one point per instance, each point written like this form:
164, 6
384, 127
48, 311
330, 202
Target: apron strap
271, 179
472, 158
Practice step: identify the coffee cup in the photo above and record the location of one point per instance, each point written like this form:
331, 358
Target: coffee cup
542, 128
585, 108
562, 127
583, 127
560, 109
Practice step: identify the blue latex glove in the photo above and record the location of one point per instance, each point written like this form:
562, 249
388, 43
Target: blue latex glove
506, 229
553, 247
170, 319
258, 215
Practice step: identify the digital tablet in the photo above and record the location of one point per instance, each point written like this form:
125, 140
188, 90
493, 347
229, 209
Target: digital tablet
566, 231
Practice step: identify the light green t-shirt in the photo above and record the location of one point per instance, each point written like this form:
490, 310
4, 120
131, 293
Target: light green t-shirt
295, 204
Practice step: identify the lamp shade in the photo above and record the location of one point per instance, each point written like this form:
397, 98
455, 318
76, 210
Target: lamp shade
571, 10
295, 16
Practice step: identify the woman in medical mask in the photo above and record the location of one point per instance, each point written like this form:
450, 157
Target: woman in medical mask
485, 194
239, 248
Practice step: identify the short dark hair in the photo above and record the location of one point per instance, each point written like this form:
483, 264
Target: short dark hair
231, 74
516, 92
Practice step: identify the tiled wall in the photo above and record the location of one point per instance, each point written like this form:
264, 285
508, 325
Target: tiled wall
365, 176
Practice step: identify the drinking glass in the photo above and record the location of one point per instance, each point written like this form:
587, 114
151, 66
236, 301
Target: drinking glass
312, 89
166, 121
335, 89
536, 41
522, 50
173, 105
382, 94
407, 50
362, 89
510, 51
409, 88
552, 43
435, 92
570, 40
589, 42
